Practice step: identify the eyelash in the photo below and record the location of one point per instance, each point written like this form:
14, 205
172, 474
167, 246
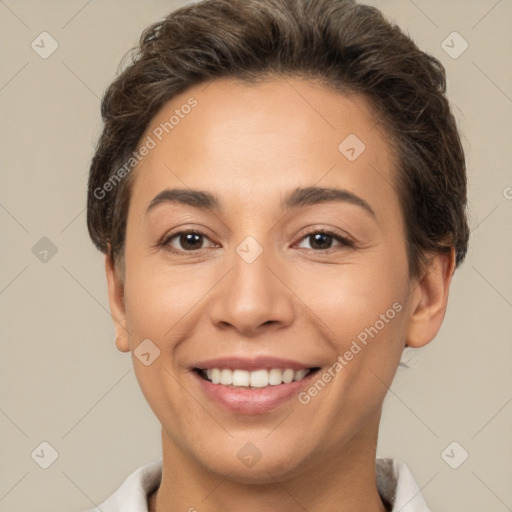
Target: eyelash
166, 241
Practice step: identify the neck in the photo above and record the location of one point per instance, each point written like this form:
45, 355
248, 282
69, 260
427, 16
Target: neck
341, 482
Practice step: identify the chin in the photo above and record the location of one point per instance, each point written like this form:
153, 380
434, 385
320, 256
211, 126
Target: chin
246, 463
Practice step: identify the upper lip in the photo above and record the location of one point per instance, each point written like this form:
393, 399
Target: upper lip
251, 363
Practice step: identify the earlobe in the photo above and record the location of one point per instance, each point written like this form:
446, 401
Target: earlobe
117, 307
432, 298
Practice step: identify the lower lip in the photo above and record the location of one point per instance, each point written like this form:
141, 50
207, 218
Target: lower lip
255, 400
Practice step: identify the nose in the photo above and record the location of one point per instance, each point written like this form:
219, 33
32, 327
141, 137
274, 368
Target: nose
253, 296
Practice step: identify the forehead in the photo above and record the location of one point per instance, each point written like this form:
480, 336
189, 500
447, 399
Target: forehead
251, 140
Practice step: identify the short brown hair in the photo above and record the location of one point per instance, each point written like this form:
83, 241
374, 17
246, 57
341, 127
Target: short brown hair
347, 46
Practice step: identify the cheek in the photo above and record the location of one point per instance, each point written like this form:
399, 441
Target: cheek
157, 304
362, 312
157, 296
350, 298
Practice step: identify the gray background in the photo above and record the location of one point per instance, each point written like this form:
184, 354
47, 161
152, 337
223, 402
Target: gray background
62, 379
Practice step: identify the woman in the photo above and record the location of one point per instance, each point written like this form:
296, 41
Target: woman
280, 194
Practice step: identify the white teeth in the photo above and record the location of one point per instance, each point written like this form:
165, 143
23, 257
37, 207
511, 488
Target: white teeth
226, 377
275, 377
258, 379
215, 376
300, 374
240, 378
255, 379
288, 376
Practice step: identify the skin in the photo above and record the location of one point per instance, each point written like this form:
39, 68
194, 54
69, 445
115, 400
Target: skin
251, 145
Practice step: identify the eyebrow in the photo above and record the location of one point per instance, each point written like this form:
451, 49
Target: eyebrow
305, 196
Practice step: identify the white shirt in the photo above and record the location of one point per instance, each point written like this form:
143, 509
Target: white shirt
395, 484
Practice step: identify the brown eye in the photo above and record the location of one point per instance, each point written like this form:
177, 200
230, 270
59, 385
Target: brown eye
185, 241
323, 240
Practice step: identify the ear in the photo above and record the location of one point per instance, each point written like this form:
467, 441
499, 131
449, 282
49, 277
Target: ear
117, 307
430, 299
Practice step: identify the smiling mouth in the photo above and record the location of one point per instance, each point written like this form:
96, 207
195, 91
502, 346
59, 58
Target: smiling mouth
243, 379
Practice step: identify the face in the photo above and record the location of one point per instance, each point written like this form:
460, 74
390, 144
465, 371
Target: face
290, 265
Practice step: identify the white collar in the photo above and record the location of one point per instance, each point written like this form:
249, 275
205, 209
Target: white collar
395, 484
